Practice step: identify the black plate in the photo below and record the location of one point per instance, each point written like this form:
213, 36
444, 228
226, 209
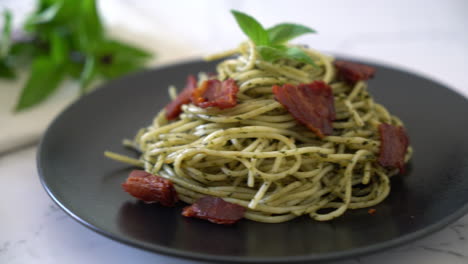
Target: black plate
77, 176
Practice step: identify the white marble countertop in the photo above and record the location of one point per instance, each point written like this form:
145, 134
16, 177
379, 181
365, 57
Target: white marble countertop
428, 37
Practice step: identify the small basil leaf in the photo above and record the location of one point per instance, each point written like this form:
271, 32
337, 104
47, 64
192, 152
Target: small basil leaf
252, 28
59, 48
68, 13
89, 26
44, 4
118, 68
270, 53
44, 79
22, 53
284, 32
297, 54
124, 50
88, 74
275, 53
75, 70
44, 16
6, 71
116, 58
58, 12
5, 41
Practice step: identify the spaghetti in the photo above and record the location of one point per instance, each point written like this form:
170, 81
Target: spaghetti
258, 156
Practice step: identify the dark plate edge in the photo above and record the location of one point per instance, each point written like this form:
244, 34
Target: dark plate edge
233, 259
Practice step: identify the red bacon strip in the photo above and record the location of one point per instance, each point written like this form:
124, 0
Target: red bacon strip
311, 104
213, 92
174, 108
393, 145
150, 188
216, 210
352, 72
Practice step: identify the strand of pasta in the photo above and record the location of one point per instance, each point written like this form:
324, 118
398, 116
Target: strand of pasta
256, 155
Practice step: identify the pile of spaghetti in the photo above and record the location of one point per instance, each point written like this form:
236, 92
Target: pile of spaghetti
248, 136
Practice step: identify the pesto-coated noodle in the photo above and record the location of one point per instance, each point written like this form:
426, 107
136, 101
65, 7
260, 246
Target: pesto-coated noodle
258, 156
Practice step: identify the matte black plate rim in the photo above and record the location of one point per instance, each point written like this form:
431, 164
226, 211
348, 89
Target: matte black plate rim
366, 250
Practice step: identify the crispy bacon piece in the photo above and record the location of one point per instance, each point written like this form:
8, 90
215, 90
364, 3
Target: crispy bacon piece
311, 104
174, 108
216, 210
213, 92
352, 72
150, 188
393, 145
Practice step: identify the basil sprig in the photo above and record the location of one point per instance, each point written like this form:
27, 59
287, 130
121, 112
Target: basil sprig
63, 39
271, 42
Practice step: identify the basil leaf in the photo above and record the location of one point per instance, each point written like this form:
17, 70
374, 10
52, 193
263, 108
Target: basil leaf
44, 4
270, 53
252, 28
6, 71
59, 48
89, 26
65, 38
46, 15
44, 79
284, 32
21, 53
5, 41
116, 58
273, 47
68, 13
118, 68
88, 74
297, 54
278, 52
123, 50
